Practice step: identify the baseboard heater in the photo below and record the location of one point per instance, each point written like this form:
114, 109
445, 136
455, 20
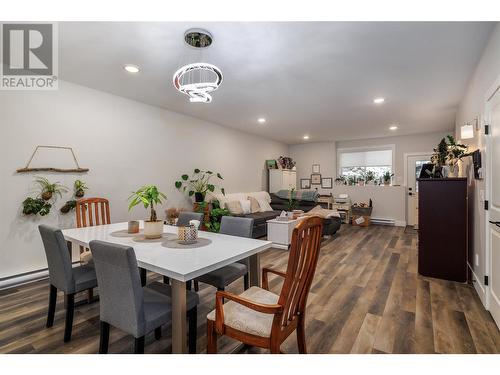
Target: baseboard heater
382, 221
26, 278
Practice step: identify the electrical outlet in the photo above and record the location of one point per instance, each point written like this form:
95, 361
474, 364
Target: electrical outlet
476, 260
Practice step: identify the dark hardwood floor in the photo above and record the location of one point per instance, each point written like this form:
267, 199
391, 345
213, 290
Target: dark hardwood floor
366, 298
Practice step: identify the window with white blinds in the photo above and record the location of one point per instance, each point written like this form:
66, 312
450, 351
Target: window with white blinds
363, 163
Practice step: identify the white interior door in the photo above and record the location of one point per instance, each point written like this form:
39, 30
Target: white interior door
493, 214
413, 168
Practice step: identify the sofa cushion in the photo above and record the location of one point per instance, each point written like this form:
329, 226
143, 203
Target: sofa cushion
234, 207
262, 217
254, 205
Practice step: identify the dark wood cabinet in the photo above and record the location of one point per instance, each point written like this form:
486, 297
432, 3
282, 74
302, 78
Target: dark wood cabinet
442, 228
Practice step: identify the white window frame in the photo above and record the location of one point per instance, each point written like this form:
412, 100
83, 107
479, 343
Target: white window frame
391, 147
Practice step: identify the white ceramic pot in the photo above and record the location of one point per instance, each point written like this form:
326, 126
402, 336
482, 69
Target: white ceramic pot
153, 229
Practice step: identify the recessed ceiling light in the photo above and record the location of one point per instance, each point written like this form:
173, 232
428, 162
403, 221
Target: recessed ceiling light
131, 68
305, 137
261, 120
393, 127
379, 100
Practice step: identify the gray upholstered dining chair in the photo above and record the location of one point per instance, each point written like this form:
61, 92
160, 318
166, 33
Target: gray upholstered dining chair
222, 277
63, 276
126, 304
186, 217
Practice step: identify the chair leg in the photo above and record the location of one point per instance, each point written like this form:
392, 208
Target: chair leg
52, 306
193, 329
90, 295
196, 286
70, 308
166, 280
158, 333
246, 281
301, 336
275, 347
211, 337
104, 338
144, 276
189, 284
139, 345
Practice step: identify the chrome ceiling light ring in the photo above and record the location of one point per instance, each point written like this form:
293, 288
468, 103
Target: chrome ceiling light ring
198, 90
198, 38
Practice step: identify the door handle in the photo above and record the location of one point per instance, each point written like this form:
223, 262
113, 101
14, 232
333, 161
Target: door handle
497, 223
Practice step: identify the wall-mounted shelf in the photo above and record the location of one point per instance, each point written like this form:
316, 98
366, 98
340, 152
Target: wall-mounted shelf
27, 168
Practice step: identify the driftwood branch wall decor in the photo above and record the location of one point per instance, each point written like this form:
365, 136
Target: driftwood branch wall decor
27, 168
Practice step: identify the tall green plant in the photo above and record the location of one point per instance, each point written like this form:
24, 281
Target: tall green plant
292, 202
149, 196
200, 182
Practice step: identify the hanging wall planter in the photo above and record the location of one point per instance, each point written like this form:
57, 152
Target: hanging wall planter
36, 206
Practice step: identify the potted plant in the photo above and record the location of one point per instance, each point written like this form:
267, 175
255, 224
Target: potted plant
199, 184
456, 151
48, 189
215, 217
361, 181
340, 181
370, 178
68, 206
33, 206
80, 187
149, 196
352, 180
387, 177
438, 158
292, 202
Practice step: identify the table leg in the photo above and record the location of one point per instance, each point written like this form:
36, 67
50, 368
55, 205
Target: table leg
255, 270
179, 324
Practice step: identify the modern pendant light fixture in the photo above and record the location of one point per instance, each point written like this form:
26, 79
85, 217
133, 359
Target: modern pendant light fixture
198, 80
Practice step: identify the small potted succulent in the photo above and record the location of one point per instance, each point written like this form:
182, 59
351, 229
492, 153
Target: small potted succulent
387, 177
80, 187
68, 206
199, 184
48, 190
149, 196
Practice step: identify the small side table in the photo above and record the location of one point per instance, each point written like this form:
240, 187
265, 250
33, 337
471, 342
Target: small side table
279, 232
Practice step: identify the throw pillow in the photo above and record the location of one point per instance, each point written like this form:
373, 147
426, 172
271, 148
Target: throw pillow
234, 207
264, 206
245, 206
254, 205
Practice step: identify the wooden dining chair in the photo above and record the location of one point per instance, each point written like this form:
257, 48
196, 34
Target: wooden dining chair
258, 317
91, 212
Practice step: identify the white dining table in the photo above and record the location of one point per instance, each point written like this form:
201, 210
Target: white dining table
180, 265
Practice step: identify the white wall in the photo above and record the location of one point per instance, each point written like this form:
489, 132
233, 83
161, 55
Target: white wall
125, 144
472, 107
389, 203
403, 144
322, 153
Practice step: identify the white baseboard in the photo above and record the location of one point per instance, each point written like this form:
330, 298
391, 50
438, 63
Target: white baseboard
400, 223
23, 279
478, 286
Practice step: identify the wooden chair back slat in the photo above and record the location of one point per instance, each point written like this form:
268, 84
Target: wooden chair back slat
302, 261
87, 212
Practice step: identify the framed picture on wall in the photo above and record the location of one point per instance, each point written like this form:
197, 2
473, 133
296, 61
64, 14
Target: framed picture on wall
315, 179
305, 183
271, 164
316, 168
327, 183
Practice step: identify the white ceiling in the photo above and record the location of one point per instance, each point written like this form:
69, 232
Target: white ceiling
315, 78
